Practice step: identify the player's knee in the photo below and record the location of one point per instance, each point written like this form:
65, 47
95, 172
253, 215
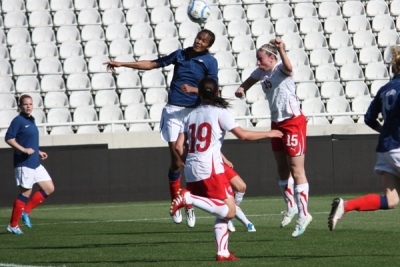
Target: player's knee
393, 201
231, 214
241, 188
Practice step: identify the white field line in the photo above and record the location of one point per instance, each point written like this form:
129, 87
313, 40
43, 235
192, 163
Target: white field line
19, 265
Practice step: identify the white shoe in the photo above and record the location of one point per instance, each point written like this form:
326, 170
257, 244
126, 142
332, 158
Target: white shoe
231, 226
288, 216
336, 214
190, 217
177, 217
250, 228
301, 226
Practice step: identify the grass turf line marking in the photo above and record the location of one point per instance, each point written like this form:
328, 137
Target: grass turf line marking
19, 265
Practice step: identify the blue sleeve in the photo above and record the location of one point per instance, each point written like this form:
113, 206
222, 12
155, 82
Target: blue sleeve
12, 130
213, 69
167, 60
373, 111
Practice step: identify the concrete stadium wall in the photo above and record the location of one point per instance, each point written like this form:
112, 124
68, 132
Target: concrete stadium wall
335, 164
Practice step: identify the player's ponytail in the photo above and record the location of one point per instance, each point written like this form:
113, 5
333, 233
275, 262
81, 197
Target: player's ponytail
209, 93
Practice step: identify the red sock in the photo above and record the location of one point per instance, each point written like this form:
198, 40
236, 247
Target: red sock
18, 208
365, 203
35, 200
174, 187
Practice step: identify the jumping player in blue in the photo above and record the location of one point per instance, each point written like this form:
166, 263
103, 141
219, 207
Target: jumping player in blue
23, 136
386, 102
191, 65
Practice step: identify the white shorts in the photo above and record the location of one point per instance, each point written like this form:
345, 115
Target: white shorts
172, 118
388, 162
27, 177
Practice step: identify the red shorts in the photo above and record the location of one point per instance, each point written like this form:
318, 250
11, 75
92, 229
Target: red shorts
294, 132
229, 172
217, 186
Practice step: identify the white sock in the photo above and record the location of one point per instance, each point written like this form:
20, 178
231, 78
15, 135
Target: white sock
287, 190
221, 236
214, 206
241, 217
301, 194
239, 197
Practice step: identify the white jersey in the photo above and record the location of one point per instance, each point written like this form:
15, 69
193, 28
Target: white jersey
206, 127
280, 89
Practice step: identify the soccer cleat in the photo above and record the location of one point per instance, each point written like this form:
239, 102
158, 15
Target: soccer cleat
231, 226
231, 257
301, 226
14, 230
190, 216
26, 219
288, 216
336, 214
250, 227
176, 205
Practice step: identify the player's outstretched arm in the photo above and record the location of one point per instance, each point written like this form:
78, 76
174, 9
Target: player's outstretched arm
244, 135
249, 82
139, 65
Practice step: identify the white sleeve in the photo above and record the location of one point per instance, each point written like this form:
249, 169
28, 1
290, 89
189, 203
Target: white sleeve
226, 120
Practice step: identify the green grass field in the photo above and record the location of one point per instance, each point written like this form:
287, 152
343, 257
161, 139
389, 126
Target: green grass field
142, 234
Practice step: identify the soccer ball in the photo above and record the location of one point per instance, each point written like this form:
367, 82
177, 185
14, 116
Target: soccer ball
198, 11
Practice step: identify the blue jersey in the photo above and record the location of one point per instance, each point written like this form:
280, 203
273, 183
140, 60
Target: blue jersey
190, 68
25, 132
387, 102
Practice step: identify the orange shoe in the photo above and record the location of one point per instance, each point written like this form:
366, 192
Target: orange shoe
231, 257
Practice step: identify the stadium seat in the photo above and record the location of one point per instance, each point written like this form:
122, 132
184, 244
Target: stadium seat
6, 85
117, 31
88, 129
314, 40
155, 95
345, 55
238, 27
153, 78
70, 49
312, 106
46, 49
131, 96
382, 22
326, 73
4, 54
89, 16
305, 10
180, 14
376, 8
39, 115
56, 100
310, 24
395, 8
215, 14
40, 18
339, 39
108, 4
140, 127
342, 120
35, 5
233, 12
50, 65
56, 5
156, 110
52, 83
144, 47
256, 11
161, 14
168, 45
8, 101
298, 57
95, 48
228, 76
106, 98
75, 64
120, 47
80, 98
5, 68
18, 35
37, 100
239, 108
356, 88
84, 114
102, 81
12, 5
43, 34
358, 23
317, 121
331, 89
363, 38
307, 90
320, 56
24, 66
15, 19
110, 113
262, 26
225, 59
21, 50
64, 18
279, 11
293, 41
351, 72
3, 38
85, 4
242, 43
136, 112
388, 38
221, 43
370, 54
157, 3
285, 25
96, 64
67, 34
337, 104
303, 74
217, 27
228, 92
255, 93
78, 82
376, 71
6, 116
329, 9
113, 16
114, 128
376, 85
141, 30
137, 15
27, 84
188, 28
352, 8
58, 115
127, 80
92, 32
259, 108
